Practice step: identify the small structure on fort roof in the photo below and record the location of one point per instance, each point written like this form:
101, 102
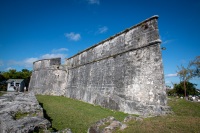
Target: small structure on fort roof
123, 72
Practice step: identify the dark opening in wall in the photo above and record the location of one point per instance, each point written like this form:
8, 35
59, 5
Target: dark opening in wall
145, 26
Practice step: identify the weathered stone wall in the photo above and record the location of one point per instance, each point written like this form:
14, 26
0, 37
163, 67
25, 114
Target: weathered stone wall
48, 77
123, 72
21, 113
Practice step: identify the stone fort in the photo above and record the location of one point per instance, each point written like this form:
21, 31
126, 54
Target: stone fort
123, 72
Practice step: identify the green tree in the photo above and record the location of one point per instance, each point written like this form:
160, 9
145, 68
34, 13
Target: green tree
191, 71
2, 82
185, 74
26, 74
195, 64
2, 78
172, 92
13, 74
191, 89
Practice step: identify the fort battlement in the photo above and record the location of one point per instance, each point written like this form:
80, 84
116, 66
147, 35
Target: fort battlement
46, 63
123, 72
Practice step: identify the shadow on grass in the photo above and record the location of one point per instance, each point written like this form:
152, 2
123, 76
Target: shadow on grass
48, 117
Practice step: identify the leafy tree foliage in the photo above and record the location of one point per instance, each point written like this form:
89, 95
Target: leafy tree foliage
2, 82
185, 74
179, 89
13, 74
191, 71
196, 66
2, 78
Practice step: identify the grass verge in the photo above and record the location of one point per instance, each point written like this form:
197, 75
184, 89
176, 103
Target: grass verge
20, 115
1, 93
185, 120
78, 116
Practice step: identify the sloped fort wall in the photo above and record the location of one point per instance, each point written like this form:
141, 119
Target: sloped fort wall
123, 72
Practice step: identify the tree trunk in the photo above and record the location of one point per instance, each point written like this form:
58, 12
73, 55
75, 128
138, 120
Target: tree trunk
184, 88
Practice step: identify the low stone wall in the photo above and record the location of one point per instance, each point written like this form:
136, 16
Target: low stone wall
21, 113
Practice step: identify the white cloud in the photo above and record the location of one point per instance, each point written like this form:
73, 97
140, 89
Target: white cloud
73, 36
167, 82
25, 63
55, 53
1, 63
102, 30
59, 50
9, 68
29, 61
48, 56
94, 2
171, 75
13, 62
183, 61
167, 41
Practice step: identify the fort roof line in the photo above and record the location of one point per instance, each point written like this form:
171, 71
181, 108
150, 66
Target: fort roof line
124, 31
46, 59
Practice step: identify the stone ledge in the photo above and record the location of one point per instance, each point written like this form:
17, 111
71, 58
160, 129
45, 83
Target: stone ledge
27, 107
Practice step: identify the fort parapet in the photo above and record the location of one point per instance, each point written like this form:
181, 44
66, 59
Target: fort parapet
123, 72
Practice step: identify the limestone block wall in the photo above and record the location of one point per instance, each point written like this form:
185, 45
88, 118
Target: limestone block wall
48, 77
123, 72
45, 63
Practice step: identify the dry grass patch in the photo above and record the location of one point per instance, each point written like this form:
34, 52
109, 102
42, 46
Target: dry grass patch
186, 119
173, 124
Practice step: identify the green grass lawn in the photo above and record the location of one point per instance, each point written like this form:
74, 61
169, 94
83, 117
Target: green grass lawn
78, 116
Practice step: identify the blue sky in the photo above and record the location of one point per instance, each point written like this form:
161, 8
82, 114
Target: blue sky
36, 29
